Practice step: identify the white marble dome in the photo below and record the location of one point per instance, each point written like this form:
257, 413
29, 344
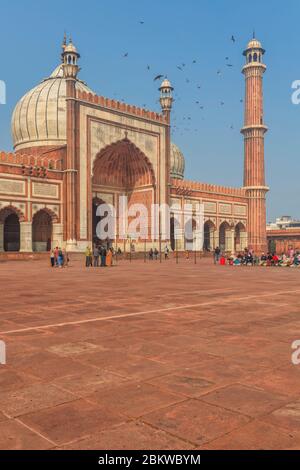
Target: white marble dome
254, 44
39, 118
177, 165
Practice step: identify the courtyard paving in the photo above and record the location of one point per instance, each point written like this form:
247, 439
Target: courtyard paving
149, 356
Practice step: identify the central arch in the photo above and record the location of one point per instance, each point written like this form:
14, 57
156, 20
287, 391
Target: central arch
122, 169
123, 165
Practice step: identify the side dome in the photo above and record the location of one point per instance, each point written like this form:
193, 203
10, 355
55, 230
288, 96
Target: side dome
40, 118
177, 165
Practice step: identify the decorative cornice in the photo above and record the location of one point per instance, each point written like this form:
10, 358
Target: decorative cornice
121, 107
190, 186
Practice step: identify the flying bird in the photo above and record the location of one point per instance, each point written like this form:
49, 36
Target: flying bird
229, 65
233, 39
142, 22
219, 72
158, 77
179, 68
126, 54
194, 61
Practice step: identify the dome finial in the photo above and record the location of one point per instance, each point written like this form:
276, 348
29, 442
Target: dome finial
64, 43
70, 58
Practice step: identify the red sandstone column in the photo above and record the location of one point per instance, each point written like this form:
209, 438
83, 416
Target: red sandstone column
254, 130
70, 57
166, 101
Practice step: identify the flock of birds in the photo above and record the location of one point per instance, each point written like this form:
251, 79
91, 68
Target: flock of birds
186, 121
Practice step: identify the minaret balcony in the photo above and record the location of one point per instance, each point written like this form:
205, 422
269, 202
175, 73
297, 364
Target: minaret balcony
254, 127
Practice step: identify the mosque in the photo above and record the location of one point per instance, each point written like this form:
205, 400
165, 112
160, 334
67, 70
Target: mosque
74, 150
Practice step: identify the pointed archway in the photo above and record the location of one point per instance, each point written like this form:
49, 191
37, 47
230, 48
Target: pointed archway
42, 229
10, 229
124, 166
209, 235
240, 237
225, 236
122, 169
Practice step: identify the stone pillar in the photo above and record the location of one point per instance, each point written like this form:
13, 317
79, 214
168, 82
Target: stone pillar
57, 236
26, 237
1, 237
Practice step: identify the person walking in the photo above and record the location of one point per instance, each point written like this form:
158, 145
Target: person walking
103, 257
96, 256
88, 257
156, 254
217, 254
60, 258
109, 258
52, 259
166, 252
56, 256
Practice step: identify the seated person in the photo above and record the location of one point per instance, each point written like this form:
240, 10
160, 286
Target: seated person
269, 259
249, 259
296, 261
263, 260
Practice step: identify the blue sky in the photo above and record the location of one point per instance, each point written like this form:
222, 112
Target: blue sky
174, 32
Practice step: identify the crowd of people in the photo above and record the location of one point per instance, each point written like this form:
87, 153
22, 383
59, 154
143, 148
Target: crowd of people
101, 256
249, 258
154, 253
59, 258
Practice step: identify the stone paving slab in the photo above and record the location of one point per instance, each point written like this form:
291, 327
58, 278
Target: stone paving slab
149, 356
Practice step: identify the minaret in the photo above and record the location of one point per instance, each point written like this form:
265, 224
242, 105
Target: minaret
254, 131
70, 58
166, 102
166, 98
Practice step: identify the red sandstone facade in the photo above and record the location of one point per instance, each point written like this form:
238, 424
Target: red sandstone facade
76, 150
281, 241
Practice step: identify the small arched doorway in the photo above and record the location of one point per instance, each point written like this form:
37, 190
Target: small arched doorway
209, 232
190, 234
224, 236
42, 231
11, 232
240, 237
